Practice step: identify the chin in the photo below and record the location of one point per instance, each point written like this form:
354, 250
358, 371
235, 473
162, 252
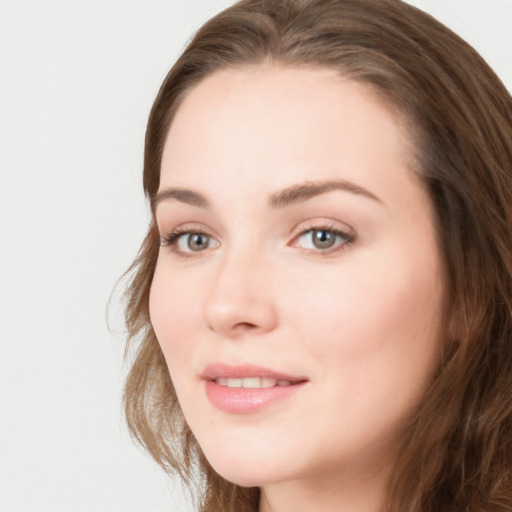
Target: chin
242, 476
242, 470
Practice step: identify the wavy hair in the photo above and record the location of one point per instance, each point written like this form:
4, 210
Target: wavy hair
457, 451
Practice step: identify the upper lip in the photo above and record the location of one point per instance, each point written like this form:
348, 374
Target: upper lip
242, 371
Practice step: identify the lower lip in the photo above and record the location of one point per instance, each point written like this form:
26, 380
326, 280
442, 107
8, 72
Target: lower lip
247, 400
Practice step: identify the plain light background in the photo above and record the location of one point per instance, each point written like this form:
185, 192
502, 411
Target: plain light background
77, 79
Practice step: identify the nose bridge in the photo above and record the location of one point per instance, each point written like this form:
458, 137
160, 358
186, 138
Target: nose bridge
239, 300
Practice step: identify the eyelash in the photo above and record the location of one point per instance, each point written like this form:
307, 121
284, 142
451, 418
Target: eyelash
171, 240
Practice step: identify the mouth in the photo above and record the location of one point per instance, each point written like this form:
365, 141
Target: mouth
251, 382
246, 389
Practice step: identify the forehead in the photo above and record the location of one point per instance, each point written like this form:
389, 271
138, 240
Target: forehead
271, 124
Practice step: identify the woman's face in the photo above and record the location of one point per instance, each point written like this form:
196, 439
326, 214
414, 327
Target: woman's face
298, 294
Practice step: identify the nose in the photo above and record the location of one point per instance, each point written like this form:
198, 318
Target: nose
239, 301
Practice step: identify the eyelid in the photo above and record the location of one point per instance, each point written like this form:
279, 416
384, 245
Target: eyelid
326, 223
165, 228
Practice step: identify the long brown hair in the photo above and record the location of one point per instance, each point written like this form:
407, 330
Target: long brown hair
457, 452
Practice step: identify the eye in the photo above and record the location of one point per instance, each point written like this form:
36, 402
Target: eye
323, 240
187, 242
194, 242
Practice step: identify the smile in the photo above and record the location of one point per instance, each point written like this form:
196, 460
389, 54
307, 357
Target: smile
247, 389
251, 382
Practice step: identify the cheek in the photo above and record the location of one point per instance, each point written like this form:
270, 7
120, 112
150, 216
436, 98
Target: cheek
174, 308
373, 318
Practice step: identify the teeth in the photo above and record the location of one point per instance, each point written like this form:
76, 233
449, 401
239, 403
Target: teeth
251, 382
234, 383
267, 382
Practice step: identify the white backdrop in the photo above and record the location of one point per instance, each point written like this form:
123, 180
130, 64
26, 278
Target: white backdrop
77, 79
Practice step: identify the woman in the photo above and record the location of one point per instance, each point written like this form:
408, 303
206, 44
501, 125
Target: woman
323, 299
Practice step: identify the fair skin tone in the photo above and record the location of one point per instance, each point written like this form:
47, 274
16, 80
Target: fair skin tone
296, 239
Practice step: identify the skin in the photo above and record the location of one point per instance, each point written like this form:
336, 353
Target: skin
360, 321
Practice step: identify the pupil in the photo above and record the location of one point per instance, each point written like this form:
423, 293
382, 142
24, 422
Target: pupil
323, 239
197, 241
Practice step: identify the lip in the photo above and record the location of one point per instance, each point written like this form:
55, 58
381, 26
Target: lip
243, 371
247, 400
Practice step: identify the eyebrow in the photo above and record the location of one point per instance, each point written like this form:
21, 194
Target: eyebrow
286, 197
303, 192
181, 194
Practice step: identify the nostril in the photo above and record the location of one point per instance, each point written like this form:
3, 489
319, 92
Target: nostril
245, 325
